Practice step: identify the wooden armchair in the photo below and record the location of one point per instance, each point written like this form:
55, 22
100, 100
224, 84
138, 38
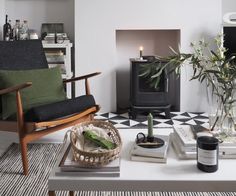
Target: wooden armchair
29, 53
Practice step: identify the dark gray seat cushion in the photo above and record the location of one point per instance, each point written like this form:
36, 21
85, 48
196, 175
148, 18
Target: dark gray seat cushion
59, 109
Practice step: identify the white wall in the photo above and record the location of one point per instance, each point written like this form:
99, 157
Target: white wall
43, 11
228, 6
97, 20
2, 16
154, 42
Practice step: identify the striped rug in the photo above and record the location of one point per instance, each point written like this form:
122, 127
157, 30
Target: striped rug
42, 157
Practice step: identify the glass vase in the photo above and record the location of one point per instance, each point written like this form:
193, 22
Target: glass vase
228, 120
222, 116
222, 120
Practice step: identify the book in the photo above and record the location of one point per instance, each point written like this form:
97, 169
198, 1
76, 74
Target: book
55, 59
152, 152
222, 148
148, 159
188, 134
49, 35
182, 154
225, 152
184, 148
54, 53
52, 41
158, 155
67, 164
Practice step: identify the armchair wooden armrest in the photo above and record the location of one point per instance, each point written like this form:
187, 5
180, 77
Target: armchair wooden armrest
81, 77
84, 77
15, 88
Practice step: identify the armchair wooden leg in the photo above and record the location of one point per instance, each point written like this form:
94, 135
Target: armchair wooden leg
24, 156
51, 193
71, 193
91, 117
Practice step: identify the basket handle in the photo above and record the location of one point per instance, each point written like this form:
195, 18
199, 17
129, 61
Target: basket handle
65, 139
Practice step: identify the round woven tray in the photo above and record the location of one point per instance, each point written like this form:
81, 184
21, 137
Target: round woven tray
95, 159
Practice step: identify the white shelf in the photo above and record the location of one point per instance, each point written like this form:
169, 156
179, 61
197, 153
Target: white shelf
67, 61
63, 45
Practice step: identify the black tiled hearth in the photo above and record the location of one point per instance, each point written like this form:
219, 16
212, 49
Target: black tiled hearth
177, 118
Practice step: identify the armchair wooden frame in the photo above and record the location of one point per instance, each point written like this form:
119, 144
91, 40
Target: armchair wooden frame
30, 131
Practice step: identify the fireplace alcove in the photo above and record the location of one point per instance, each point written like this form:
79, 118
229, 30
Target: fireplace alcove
154, 42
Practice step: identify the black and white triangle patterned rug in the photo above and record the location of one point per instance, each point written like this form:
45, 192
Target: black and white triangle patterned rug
159, 121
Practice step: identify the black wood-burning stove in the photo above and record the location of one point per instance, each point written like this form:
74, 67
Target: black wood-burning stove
143, 98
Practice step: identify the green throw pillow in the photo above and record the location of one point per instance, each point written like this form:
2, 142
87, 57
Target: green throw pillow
47, 87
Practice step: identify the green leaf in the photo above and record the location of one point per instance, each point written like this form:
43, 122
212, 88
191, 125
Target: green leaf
145, 73
214, 54
100, 141
228, 60
157, 75
176, 53
202, 78
157, 82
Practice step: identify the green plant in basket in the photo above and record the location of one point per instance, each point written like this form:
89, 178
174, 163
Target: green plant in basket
100, 141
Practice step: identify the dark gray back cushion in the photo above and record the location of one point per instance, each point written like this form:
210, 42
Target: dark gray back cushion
22, 55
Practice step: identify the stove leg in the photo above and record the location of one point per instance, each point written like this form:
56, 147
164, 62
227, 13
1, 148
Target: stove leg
132, 114
167, 113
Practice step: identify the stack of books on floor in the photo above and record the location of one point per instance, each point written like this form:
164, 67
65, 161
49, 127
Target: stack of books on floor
184, 142
69, 167
156, 155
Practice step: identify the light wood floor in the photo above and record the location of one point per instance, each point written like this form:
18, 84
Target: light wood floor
7, 138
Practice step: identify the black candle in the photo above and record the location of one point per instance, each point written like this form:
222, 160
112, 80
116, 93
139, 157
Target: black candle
207, 153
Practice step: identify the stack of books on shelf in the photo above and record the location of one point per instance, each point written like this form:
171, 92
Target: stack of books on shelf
185, 145
69, 167
56, 58
61, 38
156, 155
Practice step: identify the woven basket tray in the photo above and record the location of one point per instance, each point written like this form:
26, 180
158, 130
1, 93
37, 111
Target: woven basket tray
95, 159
